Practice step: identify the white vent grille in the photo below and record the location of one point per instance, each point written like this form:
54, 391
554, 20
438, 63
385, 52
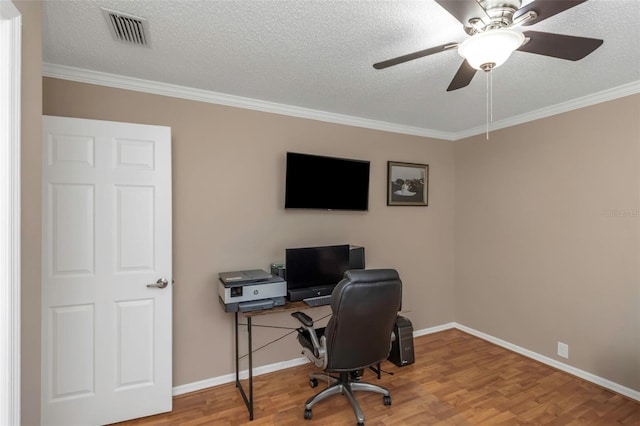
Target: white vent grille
127, 28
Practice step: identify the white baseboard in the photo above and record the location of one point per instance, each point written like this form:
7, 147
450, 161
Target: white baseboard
230, 378
622, 390
431, 330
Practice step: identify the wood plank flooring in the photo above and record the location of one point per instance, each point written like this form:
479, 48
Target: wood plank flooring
457, 379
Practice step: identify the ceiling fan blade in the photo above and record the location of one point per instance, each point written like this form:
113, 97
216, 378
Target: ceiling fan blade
546, 9
412, 56
559, 45
464, 10
463, 77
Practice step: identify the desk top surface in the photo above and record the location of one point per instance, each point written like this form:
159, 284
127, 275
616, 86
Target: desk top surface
287, 307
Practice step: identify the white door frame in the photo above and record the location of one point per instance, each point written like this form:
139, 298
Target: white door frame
10, 68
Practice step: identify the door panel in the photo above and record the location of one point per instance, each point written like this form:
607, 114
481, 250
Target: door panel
72, 229
135, 343
73, 352
135, 204
106, 341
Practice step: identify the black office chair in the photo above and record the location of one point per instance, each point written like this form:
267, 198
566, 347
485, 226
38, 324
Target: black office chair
358, 335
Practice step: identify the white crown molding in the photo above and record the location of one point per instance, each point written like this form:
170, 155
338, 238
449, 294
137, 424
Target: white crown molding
139, 85
147, 86
585, 101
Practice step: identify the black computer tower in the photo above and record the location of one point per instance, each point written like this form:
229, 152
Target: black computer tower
356, 257
402, 348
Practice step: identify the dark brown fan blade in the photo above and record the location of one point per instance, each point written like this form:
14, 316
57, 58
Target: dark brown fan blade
545, 9
463, 77
559, 45
464, 10
412, 56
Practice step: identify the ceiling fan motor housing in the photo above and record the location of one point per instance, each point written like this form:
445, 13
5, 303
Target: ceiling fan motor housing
499, 14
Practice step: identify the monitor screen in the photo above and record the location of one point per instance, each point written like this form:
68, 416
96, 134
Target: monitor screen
326, 183
316, 266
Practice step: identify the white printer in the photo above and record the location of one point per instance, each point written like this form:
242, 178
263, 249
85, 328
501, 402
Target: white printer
252, 290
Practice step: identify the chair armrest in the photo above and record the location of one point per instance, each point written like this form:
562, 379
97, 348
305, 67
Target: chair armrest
318, 354
304, 319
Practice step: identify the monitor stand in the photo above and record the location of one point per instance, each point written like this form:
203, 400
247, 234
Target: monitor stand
303, 293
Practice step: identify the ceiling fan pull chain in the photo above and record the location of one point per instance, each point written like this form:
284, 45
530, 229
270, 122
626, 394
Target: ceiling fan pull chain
491, 95
489, 91
487, 109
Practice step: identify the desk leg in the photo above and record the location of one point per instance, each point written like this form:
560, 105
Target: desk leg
250, 368
237, 355
247, 401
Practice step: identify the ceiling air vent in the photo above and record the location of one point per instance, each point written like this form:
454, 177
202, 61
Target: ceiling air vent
127, 28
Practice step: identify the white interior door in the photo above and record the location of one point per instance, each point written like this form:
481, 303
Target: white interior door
106, 235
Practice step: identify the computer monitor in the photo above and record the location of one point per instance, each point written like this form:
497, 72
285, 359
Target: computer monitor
315, 271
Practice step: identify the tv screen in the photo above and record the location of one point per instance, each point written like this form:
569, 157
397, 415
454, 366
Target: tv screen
316, 266
327, 183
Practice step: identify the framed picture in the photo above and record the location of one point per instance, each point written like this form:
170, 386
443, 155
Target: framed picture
407, 184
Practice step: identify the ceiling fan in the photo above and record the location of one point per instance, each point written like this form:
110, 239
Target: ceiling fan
491, 25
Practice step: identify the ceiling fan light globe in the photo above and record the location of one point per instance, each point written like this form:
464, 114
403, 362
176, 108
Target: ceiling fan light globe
490, 47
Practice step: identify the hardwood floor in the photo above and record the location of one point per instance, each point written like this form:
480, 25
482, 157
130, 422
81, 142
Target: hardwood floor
457, 379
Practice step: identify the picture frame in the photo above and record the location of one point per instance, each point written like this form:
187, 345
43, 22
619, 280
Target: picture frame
407, 184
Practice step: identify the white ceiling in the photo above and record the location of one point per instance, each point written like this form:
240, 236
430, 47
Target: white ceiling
317, 56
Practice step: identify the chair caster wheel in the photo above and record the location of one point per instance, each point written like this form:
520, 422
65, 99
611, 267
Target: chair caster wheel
307, 414
313, 383
356, 375
360, 424
386, 400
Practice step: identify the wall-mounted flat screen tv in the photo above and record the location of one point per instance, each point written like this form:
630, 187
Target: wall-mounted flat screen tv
326, 183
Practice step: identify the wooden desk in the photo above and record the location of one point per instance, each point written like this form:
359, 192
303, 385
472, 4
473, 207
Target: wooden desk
287, 307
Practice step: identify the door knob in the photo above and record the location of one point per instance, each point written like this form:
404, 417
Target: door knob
161, 283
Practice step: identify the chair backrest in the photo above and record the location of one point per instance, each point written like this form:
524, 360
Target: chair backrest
364, 308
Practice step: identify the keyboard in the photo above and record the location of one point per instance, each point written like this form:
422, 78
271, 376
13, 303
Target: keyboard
318, 301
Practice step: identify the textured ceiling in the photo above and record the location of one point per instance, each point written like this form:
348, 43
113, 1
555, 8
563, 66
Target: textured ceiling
319, 54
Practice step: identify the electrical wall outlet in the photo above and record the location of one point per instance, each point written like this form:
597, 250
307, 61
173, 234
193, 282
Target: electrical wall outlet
563, 350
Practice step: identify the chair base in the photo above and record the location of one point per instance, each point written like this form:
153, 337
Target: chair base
346, 386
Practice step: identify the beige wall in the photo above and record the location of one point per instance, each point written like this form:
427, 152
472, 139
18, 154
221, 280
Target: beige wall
228, 186
548, 237
30, 215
